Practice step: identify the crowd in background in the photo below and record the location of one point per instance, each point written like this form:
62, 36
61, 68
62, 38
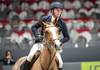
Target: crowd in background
36, 8
18, 16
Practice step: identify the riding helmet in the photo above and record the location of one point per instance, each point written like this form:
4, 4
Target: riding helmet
56, 5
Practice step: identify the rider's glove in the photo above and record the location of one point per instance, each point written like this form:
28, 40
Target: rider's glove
38, 39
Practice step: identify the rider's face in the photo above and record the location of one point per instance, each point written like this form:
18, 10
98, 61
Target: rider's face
56, 12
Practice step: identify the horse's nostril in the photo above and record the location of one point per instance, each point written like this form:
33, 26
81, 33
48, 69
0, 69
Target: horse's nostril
58, 44
58, 47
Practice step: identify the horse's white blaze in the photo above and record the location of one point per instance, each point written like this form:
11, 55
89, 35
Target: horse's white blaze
58, 43
54, 31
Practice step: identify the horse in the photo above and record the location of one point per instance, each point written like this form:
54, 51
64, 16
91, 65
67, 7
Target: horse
47, 58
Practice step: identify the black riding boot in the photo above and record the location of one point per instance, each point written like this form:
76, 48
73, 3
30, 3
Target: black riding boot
60, 68
26, 65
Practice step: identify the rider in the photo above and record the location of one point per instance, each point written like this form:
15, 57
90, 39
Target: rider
56, 9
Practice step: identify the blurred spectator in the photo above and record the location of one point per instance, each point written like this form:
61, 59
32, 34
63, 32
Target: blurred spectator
8, 58
76, 24
70, 13
27, 35
15, 4
88, 4
24, 6
23, 14
17, 29
17, 23
89, 24
67, 4
87, 9
97, 12
64, 15
77, 4
29, 23
5, 27
8, 27
20, 31
26, 13
44, 4
34, 6
97, 2
69, 24
81, 29
3, 11
2, 6
11, 6
11, 14
30, 14
39, 14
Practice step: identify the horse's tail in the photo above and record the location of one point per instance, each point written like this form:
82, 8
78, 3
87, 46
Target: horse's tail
18, 63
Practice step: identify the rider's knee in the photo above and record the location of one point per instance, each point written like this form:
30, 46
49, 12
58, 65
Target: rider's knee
37, 53
29, 58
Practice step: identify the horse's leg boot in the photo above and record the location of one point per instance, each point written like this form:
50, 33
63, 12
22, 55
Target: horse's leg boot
26, 65
60, 69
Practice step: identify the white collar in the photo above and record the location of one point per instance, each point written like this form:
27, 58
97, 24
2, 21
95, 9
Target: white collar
52, 18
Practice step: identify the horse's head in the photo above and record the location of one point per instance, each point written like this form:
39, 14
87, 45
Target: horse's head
51, 34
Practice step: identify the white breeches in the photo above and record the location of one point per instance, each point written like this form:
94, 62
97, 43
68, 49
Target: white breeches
39, 47
60, 59
36, 47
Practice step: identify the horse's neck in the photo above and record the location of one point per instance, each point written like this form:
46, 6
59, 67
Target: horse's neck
50, 49
47, 56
